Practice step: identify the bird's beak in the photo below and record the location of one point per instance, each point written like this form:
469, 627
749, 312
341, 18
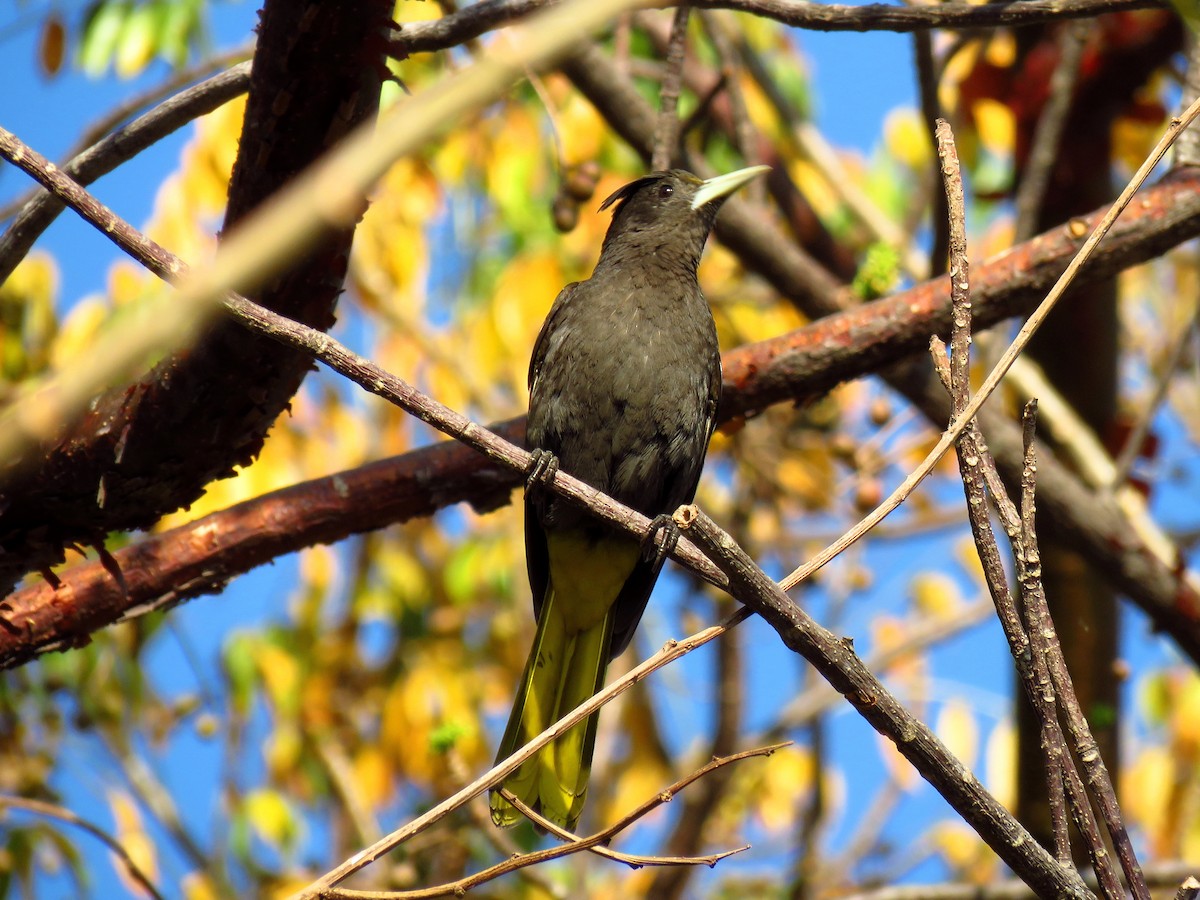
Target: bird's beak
724, 185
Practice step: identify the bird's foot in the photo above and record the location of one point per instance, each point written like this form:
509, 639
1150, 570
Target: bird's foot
543, 465
656, 550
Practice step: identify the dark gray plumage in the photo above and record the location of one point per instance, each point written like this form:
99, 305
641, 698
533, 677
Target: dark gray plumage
624, 385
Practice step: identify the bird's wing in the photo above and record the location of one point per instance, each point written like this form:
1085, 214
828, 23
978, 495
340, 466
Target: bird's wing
540, 345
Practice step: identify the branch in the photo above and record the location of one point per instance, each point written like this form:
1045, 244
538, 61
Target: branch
42, 208
1047, 135
1149, 573
596, 843
479, 18
119, 445
1022, 633
1163, 875
672, 651
668, 113
200, 557
145, 449
835, 659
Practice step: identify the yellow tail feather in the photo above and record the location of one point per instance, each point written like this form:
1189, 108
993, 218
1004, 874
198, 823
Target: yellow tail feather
566, 667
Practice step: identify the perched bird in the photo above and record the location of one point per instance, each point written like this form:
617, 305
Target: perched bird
623, 391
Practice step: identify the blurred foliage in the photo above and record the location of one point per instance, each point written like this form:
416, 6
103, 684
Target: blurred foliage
378, 685
128, 34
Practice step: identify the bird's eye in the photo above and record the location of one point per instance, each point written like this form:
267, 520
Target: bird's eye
665, 191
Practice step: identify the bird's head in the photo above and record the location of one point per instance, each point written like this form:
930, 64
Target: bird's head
669, 213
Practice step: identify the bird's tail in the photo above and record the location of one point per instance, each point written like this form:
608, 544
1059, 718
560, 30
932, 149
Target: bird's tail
563, 671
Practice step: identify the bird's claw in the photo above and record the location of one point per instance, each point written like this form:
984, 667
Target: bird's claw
543, 466
656, 551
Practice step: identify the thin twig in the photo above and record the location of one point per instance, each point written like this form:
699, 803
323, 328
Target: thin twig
479, 18
668, 117
39, 211
1047, 656
1047, 135
596, 842
1187, 150
1084, 744
931, 114
1035, 678
972, 454
664, 796
1123, 464
835, 659
672, 651
52, 811
727, 55
1041, 692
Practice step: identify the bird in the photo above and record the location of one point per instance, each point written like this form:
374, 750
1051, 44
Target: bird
624, 383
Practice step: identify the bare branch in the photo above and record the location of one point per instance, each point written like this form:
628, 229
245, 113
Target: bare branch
596, 843
1048, 134
479, 18
41, 209
668, 111
835, 659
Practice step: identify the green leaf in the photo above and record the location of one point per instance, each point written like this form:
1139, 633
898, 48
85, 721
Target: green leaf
102, 28
241, 671
443, 738
878, 273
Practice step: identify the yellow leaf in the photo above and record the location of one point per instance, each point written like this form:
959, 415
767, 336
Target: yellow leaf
899, 769
955, 843
1000, 760
788, 774
582, 128
807, 476
968, 558
135, 48
1146, 789
888, 632
198, 886
906, 139
439, 690
935, 594
1185, 714
318, 697
812, 182
957, 728
964, 851
271, 818
78, 330
373, 776
995, 124
1001, 49
35, 276
282, 749
318, 567
131, 834
957, 68
280, 674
